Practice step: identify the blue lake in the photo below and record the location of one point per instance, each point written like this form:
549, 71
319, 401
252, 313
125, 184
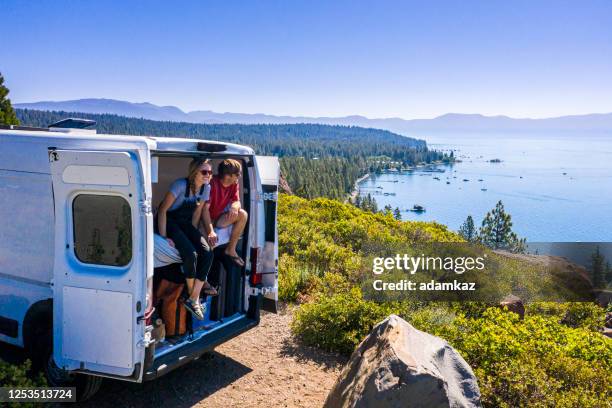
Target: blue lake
558, 188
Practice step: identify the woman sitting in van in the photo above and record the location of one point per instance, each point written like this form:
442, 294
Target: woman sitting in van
178, 217
224, 207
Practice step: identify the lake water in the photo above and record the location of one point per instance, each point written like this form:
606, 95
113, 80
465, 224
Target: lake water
558, 188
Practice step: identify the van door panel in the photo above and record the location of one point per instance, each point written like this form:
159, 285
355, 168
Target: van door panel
99, 276
269, 173
91, 345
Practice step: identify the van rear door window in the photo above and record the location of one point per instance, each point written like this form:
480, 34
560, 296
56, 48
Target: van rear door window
270, 210
102, 229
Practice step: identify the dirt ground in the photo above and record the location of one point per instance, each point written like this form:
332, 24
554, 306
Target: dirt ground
264, 367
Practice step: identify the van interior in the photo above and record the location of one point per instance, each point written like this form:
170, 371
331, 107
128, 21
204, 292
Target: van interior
172, 324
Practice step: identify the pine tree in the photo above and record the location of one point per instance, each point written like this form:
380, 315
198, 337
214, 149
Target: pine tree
468, 230
598, 271
7, 114
388, 210
496, 231
374, 207
397, 214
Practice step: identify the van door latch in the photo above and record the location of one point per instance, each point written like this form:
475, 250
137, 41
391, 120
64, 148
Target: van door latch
146, 341
145, 206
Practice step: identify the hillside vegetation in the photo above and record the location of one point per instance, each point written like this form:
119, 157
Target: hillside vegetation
555, 356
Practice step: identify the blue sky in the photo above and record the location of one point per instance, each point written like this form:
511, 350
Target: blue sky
326, 58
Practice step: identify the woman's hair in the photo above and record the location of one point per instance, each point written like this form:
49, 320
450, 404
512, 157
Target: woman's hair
194, 167
229, 166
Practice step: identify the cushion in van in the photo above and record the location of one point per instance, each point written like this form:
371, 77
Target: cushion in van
163, 253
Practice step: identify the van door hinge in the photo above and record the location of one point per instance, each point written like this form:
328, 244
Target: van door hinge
262, 291
269, 196
53, 156
145, 206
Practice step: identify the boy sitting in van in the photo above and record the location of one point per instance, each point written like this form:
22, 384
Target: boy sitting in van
224, 208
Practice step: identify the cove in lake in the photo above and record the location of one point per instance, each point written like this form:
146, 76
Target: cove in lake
558, 188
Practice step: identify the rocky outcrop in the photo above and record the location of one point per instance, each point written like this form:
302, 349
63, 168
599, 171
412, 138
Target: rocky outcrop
400, 366
513, 304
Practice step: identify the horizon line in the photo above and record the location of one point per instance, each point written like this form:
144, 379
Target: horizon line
325, 117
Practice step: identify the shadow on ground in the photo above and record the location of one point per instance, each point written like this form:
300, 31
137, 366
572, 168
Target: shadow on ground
302, 353
183, 387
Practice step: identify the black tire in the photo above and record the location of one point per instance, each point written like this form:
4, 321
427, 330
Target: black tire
86, 385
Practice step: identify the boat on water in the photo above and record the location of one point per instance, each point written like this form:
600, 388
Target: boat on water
448, 182
417, 208
483, 189
466, 179
480, 180
436, 178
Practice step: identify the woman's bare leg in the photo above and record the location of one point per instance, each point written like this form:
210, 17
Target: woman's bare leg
197, 288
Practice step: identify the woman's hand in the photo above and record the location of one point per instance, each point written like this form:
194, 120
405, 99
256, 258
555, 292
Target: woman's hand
170, 242
212, 238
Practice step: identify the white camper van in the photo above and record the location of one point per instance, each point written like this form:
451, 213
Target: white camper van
77, 251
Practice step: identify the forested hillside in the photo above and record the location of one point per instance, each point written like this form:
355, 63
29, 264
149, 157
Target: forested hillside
317, 160
553, 356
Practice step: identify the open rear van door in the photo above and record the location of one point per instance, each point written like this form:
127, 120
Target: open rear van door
268, 168
99, 272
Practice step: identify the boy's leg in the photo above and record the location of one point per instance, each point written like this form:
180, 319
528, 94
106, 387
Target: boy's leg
238, 225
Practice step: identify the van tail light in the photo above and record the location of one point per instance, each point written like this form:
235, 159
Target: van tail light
256, 277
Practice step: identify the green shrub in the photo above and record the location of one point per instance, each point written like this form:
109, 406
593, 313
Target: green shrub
16, 376
536, 360
291, 278
338, 322
573, 314
552, 381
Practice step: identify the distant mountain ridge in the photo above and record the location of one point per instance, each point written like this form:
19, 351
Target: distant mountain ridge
448, 122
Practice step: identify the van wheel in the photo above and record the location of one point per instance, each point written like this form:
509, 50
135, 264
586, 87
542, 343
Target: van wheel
86, 385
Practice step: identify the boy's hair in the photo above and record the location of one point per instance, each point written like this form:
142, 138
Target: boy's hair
229, 166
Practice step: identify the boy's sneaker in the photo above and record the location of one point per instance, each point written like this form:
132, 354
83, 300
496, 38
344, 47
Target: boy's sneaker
194, 308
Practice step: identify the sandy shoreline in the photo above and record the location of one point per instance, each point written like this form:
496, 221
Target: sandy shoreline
353, 195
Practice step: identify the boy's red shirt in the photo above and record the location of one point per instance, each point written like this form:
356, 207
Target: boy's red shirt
221, 197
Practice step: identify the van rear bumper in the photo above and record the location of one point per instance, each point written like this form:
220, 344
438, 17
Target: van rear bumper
195, 349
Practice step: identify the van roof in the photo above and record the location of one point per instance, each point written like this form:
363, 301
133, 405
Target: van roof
56, 137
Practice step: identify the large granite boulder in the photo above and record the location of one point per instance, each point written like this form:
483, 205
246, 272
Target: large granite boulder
400, 366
